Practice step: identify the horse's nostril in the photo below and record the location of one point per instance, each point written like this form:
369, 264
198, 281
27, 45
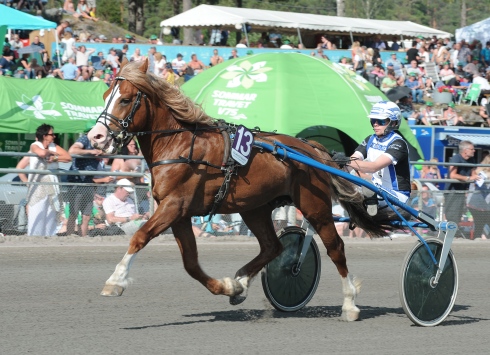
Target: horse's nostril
98, 136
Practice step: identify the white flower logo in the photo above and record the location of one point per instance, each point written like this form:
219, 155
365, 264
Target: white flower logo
246, 74
37, 107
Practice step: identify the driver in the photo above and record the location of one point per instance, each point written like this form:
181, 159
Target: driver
384, 155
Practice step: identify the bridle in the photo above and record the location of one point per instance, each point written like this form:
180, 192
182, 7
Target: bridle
120, 137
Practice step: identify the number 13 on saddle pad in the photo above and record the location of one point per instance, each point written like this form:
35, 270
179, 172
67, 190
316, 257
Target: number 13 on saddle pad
242, 145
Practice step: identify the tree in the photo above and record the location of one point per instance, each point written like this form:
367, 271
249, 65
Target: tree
136, 20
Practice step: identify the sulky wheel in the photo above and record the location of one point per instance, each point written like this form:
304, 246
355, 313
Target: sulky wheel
424, 303
287, 288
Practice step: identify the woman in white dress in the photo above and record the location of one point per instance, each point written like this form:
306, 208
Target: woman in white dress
43, 199
159, 64
69, 43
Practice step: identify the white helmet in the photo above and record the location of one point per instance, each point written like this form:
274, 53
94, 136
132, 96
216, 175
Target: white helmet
390, 110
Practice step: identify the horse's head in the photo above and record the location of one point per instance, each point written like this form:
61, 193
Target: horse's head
125, 109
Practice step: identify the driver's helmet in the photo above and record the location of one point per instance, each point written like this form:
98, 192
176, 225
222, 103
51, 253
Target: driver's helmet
387, 109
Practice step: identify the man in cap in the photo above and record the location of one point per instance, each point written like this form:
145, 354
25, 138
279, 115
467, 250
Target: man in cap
396, 65
179, 64
153, 39
102, 38
20, 73
286, 44
121, 210
416, 86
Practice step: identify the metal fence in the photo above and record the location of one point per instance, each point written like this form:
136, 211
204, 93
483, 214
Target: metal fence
14, 205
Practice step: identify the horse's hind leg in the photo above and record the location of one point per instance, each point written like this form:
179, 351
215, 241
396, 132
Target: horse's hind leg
260, 223
318, 211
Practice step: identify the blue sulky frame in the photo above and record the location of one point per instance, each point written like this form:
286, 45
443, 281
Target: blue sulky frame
446, 230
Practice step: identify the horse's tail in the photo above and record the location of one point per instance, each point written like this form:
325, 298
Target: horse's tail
352, 200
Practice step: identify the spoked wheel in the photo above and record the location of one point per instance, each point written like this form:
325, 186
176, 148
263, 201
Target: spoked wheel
287, 288
424, 303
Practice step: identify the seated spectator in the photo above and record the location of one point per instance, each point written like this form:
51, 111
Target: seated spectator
344, 62
451, 117
389, 82
484, 84
233, 54
325, 43
474, 67
137, 57
416, 88
216, 58
424, 202
38, 71
21, 4
407, 109
178, 65
82, 58
196, 65
458, 70
428, 114
120, 209
447, 75
169, 75
69, 8
84, 10
113, 60
16, 43
68, 71
319, 53
379, 71
7, 62
396, 65
20, 73
84, 76
24, 63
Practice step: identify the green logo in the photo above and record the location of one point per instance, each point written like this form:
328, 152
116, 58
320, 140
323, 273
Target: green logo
246, 74
37, 107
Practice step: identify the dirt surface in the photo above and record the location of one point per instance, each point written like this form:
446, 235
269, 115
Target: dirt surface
50, 303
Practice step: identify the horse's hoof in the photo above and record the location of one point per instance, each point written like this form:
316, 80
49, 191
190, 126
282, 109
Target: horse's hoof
350, 316
234, 300
112, 291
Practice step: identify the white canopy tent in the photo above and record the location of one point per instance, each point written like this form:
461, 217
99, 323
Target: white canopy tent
232, 18
479, 30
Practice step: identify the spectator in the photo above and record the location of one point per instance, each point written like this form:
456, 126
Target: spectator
379, 71
24, 63
424, 202
441, 54
464, 53
153, 40
233, 54
395, 46
485, 55
20, 73
128, 164
37, 42
69, 44
16, 43
43, 199
169, 75
483, 111
424, 55
459, 69
451, 117
68, 71
178, 65
416, 88
39, 3
474, 68
159, 65
389, 82
7, 62
407, 109
479, 199
379, 44
368, 57
413, 53
113, 60
343, 62
377, 57
120, 209
484, 84
216, 58
286, 44
84, 10
92, 4
447, 75
396, 65
68, 8
454, 202
196, 65
83, 55
60, 30
151, 59
81, 196
137, 57
319, 54
428, 114
358, 62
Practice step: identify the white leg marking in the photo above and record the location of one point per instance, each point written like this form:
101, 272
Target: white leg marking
120, 275
351, 286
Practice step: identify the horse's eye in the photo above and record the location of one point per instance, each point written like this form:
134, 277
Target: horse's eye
125, 101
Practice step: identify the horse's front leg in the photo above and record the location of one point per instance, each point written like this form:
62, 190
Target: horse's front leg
187, 243
159, 222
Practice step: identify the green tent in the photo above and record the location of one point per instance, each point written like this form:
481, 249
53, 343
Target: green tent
66, 105
295, 94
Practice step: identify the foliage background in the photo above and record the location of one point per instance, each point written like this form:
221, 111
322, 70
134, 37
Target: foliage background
446, 15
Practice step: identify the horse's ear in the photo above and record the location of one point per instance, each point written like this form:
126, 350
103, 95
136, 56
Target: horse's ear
144, 66
123, 63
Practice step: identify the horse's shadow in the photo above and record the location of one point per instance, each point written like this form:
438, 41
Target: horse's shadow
246, 315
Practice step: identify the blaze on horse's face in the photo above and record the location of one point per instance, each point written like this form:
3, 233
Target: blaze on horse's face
110, 132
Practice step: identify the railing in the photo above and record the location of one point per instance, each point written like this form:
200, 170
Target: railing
13, 195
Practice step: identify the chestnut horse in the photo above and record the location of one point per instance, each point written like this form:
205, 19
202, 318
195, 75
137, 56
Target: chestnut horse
170, 129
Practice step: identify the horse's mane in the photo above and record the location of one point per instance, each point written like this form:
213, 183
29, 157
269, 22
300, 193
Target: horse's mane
160, 92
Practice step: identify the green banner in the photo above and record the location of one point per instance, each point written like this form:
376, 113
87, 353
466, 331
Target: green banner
66, 105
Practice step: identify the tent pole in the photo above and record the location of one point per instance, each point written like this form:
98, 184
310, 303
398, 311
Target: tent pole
244, 27
57, 48
351, 38
403, 42
299, 38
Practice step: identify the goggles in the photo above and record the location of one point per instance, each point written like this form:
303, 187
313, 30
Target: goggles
380, 121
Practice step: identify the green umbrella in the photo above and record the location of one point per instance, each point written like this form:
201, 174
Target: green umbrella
292, 93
